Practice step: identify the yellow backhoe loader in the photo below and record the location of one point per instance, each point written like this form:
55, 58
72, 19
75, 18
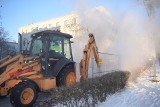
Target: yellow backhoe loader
47, 64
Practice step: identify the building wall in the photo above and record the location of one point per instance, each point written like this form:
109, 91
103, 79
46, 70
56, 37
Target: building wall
13, 46
69, 24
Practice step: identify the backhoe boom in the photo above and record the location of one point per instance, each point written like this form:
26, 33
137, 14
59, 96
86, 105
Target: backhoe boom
89, 48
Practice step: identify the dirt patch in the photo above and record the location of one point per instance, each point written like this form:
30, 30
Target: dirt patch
88, 93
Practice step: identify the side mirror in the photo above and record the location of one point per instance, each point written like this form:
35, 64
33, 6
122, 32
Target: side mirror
24, 43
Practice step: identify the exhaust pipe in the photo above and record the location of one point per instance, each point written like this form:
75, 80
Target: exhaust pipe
20, 42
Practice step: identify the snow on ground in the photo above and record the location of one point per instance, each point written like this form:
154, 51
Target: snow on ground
140, 93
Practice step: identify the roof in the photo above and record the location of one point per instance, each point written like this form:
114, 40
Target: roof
41, 33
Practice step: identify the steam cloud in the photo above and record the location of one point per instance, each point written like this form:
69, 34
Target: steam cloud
128, 36
151, 6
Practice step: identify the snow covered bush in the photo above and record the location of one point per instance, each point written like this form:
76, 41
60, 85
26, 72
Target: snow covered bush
88, 93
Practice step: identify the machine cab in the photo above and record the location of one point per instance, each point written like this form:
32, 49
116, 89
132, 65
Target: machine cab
54, 49
53, 43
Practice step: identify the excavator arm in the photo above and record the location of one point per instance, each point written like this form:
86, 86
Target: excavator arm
88, 50
16, 66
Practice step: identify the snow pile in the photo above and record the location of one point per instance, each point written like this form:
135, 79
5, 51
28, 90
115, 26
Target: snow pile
141, 93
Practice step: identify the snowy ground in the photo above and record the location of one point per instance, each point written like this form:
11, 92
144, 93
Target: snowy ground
140, 93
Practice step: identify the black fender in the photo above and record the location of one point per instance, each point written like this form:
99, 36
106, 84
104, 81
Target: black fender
29, 80
60, 65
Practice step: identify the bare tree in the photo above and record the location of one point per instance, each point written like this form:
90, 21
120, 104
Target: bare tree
3, 39
3, 36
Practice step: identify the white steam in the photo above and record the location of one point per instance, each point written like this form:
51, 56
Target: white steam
152, 8
99, 21
129, 36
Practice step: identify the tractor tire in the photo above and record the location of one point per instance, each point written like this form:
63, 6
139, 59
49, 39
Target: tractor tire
66, 77
24, 94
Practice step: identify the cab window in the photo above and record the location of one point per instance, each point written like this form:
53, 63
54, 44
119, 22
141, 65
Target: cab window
36, 46
56, 44
67, 51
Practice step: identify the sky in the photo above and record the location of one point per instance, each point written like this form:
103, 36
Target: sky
18, 13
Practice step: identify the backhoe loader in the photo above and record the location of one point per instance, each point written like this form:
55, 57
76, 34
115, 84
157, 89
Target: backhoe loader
48, 63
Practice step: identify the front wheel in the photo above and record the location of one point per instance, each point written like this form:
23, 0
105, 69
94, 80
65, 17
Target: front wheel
66, 77
24, 94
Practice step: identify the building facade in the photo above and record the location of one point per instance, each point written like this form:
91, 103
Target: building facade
69, 24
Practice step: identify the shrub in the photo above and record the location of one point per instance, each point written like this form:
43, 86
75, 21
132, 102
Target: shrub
88, 93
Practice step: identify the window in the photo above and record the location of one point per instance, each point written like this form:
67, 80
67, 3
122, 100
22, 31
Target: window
36, 46
67, 52
65, 22
56, 44
57, 24
74, 20
50, 25
60, 45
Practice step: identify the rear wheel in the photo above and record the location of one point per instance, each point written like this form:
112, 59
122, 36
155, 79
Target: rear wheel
24, 94
66, 77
